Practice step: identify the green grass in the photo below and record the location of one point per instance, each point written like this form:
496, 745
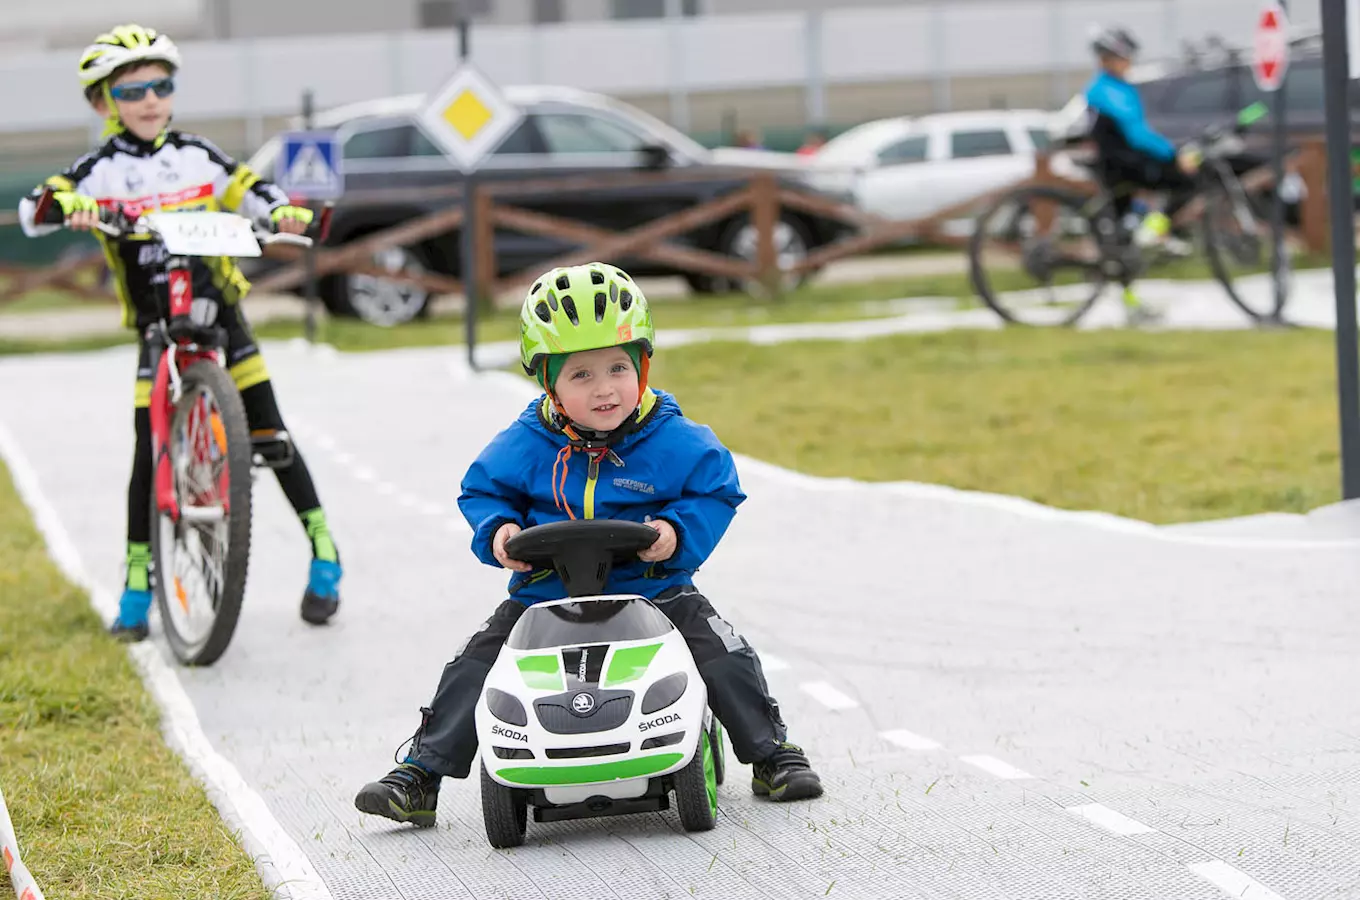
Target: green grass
101, 806
1165, 427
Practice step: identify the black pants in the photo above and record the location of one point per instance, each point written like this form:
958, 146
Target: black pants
262, 412
447, 741
1125, 179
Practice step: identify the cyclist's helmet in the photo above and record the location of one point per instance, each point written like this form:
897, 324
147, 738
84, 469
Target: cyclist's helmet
116, 49
1116, 42
577, 308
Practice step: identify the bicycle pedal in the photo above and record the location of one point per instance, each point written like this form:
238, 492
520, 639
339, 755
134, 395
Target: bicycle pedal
271, 449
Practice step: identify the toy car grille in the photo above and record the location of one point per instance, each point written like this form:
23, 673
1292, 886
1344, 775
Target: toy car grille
578, 752
556, 717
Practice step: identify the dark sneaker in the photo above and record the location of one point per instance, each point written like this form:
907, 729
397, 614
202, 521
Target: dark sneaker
406, 794
786, 775
322, 597
129, 634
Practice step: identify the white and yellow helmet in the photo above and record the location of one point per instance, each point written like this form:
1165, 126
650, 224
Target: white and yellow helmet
122, 46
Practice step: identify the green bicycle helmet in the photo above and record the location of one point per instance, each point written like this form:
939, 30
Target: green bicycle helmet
576, 308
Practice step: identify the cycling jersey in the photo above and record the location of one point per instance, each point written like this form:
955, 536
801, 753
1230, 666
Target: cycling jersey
175, 172
1119, 125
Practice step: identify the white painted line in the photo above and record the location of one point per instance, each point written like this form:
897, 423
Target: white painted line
1109, 819
282, 865
432, 509
903, 738
364, 473
828, 695
771, 663
1002, 502
324, 441
1233, 882
385, 488
344, 458
993, 766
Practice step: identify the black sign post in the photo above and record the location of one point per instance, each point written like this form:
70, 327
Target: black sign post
1341, 199
468, 269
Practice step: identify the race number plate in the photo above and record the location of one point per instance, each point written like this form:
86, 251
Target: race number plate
204, 233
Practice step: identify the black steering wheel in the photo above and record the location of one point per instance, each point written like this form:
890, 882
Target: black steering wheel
582, 551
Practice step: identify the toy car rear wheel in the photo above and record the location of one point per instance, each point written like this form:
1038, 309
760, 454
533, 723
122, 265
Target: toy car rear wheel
505, 812
696, 789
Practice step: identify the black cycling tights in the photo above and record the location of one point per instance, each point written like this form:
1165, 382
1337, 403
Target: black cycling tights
262, 412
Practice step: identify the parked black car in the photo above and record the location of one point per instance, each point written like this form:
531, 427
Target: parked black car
564, 132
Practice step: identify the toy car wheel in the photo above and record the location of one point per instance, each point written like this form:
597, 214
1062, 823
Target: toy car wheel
505, 812
696, 789
715, 740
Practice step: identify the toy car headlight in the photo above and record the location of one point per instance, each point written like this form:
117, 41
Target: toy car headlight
505, 707
664, 692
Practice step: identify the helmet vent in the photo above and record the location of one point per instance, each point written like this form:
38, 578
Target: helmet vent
625, 300
569, 306
596, 276
541, 310
600, 301
536, 288
563, 283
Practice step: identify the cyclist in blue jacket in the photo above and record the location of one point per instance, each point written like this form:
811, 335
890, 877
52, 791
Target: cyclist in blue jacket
599, 443
1133, 156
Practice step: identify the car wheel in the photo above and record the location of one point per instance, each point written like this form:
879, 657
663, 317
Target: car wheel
380, 301
791, 244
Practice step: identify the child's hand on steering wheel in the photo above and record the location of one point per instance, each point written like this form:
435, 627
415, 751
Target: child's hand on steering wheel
503, 534
664, 546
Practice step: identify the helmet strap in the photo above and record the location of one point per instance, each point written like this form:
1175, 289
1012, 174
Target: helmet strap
112, 124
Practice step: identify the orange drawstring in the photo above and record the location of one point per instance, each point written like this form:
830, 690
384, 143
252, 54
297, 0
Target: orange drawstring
560, 488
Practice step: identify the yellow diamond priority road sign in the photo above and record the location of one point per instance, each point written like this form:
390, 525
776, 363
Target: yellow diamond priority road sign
469, 117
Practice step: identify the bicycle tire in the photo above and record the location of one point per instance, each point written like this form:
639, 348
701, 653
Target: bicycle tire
1213, 249
218, 383
982, 284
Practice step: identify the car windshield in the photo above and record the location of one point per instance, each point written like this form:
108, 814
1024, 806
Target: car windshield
587, 621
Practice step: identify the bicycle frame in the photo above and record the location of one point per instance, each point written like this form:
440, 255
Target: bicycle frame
168, 356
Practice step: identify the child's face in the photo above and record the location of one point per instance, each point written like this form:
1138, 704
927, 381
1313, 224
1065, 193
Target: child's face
598, 388
147, 116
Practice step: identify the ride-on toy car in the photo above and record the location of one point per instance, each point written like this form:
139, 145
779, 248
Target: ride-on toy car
594, 706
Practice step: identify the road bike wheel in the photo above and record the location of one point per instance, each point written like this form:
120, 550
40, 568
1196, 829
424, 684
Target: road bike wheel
200, 561
1237, 242
1035, 256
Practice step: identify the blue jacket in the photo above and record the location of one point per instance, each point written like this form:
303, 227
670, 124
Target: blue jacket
670, 468
1119, 118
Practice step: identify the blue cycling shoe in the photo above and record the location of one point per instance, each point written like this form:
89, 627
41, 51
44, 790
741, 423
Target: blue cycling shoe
133, 608
322, 597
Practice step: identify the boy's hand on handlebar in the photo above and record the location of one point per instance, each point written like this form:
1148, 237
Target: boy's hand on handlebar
291, 219
79, 212
503, 534
664, 547
1189, 159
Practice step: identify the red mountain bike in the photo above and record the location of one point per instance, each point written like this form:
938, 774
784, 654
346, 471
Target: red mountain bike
204, 454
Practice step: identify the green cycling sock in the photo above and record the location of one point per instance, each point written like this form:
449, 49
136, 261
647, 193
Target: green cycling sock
138, 566
319, 533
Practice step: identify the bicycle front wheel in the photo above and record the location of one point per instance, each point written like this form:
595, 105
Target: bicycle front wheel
1237, 241
1035, 256
200, 561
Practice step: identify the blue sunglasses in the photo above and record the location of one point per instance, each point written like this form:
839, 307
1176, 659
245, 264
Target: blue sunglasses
134, 91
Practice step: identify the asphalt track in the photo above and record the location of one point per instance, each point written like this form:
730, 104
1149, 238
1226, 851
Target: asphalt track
1004, 701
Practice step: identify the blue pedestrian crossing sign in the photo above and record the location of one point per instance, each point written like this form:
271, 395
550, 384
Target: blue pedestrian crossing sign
311, 165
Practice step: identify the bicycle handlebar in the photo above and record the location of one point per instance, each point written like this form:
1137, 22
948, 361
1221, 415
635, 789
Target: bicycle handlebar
115, 223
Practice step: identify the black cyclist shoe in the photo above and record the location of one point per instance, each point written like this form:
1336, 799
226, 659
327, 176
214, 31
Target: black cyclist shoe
408, 793
129, 634
786, 774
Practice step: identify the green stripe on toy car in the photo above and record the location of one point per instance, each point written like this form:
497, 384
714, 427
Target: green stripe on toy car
629, 664
610, 771
542, 672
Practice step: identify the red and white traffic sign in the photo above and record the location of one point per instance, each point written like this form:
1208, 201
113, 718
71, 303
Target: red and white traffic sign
1271, 58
